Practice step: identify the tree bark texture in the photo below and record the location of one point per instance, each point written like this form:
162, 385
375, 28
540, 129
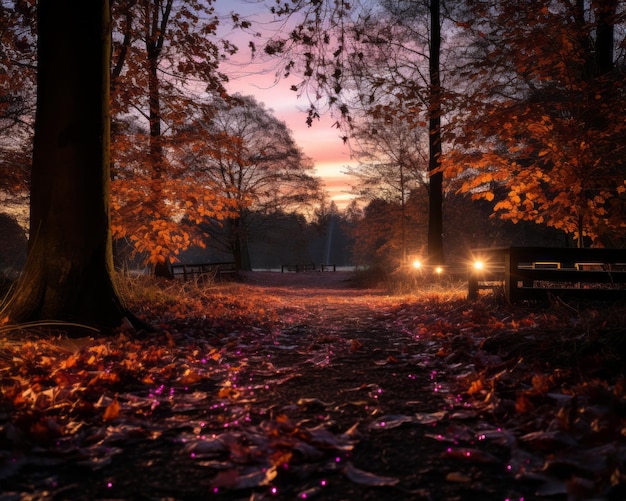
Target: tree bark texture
68, 272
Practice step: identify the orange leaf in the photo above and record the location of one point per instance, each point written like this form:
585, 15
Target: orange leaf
112, 411
523, 404
476, 387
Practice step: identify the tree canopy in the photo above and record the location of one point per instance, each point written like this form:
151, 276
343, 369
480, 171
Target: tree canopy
252, 162
544, 115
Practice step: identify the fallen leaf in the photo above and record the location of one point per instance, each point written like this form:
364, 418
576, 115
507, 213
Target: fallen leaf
232, 479
391, 421
112, 411
457, 476
365, 478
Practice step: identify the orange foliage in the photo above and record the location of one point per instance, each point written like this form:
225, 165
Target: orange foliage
544, 124
160, 214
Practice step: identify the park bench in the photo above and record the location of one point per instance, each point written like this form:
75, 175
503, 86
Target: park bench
328, 267
297, 267
204, 270
538, 272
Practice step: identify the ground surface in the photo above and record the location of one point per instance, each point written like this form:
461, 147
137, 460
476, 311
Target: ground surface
304, 386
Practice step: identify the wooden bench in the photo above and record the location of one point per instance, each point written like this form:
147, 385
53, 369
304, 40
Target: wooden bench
537, 272
204, 270
328, 267
297, 267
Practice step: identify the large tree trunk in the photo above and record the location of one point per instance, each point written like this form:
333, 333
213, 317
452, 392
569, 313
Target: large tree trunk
68, 272
435, 213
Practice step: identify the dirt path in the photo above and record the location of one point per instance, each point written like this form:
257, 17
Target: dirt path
355, 373
326, 299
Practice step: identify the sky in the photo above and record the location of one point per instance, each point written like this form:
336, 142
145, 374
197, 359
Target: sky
321, 142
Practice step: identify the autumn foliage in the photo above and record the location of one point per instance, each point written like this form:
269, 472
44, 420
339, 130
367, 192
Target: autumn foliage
543, 118
161, 214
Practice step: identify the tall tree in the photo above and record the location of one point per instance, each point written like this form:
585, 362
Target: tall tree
253, 161
166, 59
435, 191
67, 275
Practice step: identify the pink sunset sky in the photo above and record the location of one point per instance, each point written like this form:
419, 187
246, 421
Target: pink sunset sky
321, 142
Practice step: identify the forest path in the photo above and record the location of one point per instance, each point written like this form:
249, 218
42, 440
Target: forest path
343, 362
328, 299
298, 386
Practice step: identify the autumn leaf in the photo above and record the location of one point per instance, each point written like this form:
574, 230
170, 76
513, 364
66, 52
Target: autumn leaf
355, 345
112, 411
362, 477
523, 405
476, 387
228, 392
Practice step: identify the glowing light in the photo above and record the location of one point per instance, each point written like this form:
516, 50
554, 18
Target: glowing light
274, 490
438, 270
479, 265
417, 264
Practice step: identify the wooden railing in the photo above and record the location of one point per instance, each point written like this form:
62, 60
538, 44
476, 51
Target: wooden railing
536, 272
297, 267
204, 270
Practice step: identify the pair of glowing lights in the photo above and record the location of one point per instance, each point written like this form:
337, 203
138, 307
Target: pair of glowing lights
418, 265
478, 265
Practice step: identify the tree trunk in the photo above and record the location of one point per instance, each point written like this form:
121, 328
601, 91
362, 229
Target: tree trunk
154, 44
68, 272
605, 12
435, 204
239, 245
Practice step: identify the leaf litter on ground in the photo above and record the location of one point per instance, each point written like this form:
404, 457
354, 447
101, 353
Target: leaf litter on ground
267, 390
